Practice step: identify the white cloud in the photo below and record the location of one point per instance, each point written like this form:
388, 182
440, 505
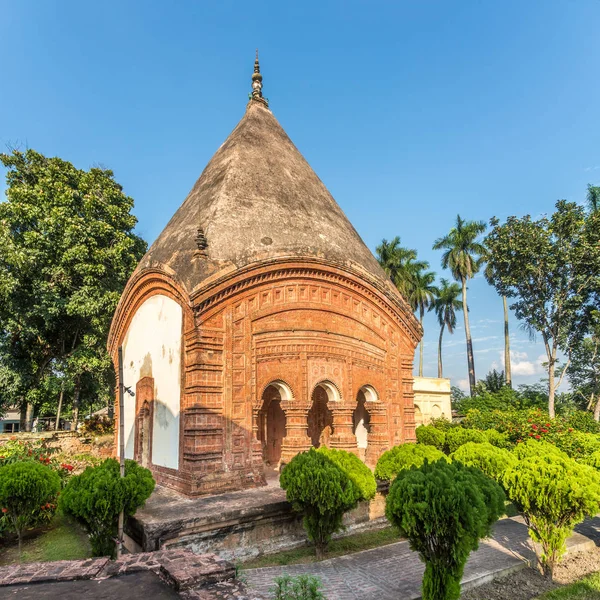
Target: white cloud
520, 363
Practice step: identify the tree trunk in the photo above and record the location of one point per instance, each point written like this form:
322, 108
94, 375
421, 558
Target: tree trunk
421, 345
507, 372
470, 360
76, 404
596, 408
22, 414
60, 401
551, 383
440, 368
29, 417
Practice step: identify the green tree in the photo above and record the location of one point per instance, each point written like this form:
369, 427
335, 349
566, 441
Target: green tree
464, 255
553, 493
445, 306
67, 248
24, 487
355, 469
593, 197
97, 496
584, 369
422, 296
316, 487
550, 268
400, 264
444, 510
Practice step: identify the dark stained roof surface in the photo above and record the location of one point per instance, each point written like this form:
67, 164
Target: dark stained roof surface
257, 199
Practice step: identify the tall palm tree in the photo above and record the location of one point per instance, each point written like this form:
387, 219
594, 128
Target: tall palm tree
400, 264
422, 296
593, 197
507, 367
445, 306
463, 255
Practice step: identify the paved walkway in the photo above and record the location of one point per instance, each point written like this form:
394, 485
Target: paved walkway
394, 571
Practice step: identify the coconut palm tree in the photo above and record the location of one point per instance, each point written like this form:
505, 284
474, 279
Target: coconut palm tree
593, 197
400, 264
422, 296
463, 255
445, 306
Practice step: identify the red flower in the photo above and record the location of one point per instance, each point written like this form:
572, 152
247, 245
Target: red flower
544, 430
570, 429
534, 426
537, 437
5, 510
531, 434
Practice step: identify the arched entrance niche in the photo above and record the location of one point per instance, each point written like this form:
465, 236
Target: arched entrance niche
271, 421
320, 417
418, 416
361, 419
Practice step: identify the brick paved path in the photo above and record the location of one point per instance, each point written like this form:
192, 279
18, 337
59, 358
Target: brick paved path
394, 572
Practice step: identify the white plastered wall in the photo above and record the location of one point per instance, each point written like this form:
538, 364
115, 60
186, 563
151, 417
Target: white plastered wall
152, 348
432, 399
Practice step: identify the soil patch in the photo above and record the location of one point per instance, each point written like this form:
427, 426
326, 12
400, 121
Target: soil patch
529, 583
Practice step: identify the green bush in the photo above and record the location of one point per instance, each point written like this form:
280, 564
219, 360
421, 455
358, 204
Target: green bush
444, 510
582, 420
442, 424
355, 468
495, 438
593, 460
431, 436
577, 444
26, 489
302, 587
96, 497
322, 492
537, 448
459, 436
97, 425
491, 460
554, 493
401, 457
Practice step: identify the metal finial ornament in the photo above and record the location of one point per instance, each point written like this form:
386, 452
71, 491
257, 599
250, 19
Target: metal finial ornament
201, 242
257, 83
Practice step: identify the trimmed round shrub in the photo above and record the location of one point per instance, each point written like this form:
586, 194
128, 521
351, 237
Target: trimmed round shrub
458, 436
500, 440
430, 436
320, 490
355, 468
26, 488
537, 448
489, 459
96, 497
401, 457
444, 510
442, 424
554, 493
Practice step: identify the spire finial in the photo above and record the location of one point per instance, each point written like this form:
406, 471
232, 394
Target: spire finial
257, 83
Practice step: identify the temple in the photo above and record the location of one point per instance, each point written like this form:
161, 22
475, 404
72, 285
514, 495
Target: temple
259, 324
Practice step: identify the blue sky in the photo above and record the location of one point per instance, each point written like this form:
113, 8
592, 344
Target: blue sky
409, 111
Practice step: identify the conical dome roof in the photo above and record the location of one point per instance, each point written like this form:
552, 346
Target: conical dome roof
257, 199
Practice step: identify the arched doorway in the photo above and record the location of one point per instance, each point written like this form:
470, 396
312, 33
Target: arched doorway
272, 422
320, 417
418, 416
361, 419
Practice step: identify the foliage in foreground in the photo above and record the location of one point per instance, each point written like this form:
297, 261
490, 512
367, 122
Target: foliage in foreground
554, 493
355, 468
26, 488
428, 435
398, 458
444, 509
322, 492
96, 497
302, 587
586, 589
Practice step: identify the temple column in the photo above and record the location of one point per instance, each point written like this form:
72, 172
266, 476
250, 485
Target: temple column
296, 424
257, 445
343, 437
378, 436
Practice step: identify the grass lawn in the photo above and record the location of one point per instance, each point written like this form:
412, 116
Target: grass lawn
64, 539
586, 589
337, 547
